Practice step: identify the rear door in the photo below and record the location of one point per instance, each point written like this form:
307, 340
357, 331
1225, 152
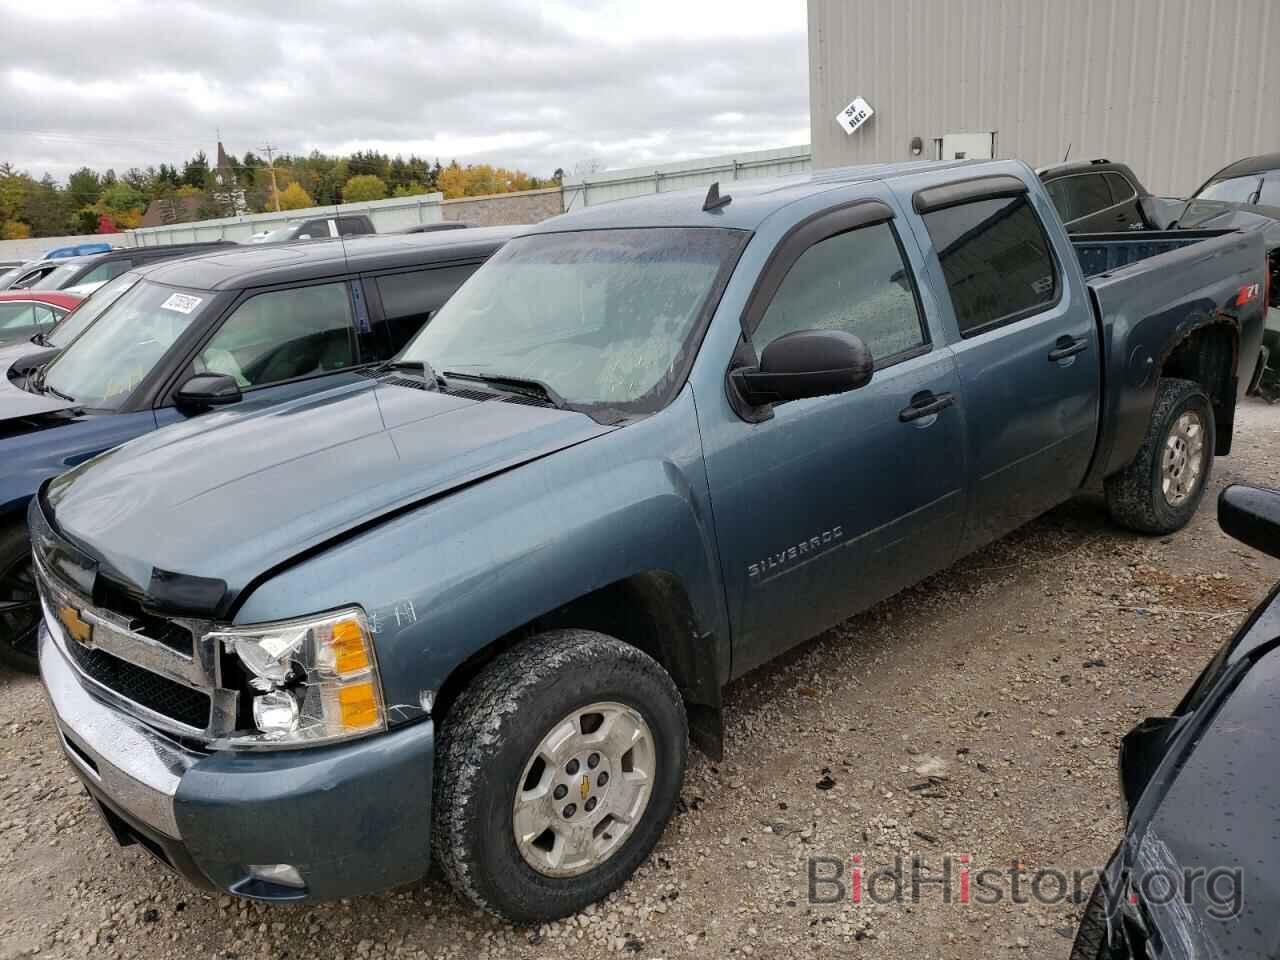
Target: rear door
1027, 351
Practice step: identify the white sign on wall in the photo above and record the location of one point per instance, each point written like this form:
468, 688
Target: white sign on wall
854, 115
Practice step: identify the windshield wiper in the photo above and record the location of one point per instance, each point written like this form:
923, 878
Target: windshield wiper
526, 386
35, 381
56, 393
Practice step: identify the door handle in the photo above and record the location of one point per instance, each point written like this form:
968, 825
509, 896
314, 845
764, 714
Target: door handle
924, 403
1066, 346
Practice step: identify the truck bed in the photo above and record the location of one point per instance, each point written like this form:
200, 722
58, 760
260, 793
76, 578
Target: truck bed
1101, 252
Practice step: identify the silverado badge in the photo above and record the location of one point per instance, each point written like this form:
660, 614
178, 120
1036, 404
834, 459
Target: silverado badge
77, 629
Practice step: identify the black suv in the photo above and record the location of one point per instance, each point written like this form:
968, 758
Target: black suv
66, 272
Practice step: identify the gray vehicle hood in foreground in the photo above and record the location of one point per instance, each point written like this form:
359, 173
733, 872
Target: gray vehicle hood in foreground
233, 494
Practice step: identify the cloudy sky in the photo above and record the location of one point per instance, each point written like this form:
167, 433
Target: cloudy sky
538, 85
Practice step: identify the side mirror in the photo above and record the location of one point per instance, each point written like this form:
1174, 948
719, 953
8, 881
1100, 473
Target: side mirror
807, 363
209, 390
1252, 516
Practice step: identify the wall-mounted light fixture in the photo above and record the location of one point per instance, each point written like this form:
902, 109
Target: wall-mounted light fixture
917, 146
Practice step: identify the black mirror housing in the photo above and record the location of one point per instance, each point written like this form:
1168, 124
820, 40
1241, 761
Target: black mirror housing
803, 364
1252, 516
209, 390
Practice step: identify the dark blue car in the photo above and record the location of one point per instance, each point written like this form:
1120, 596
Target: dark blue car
265, 324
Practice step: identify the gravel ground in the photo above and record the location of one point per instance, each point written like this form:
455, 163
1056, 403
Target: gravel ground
978, 714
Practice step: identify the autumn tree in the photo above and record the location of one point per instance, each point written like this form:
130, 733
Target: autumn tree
294, 197
362, 188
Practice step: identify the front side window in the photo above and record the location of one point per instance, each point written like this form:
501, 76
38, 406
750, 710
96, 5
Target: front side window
283, 335
995, 259
58, 278
14, 316
409, 299
858, 282
605, 318
128, 340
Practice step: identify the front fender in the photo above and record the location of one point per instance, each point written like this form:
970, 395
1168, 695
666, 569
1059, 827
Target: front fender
443, 582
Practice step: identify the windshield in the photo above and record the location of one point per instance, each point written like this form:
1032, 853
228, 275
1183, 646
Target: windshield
56, 279
87, 311
105, 363
604, 317
1235, 190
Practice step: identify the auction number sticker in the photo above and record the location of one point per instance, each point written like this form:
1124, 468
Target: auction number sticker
854, 115
181, 302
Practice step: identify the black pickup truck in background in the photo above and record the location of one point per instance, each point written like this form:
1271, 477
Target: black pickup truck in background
1099, 197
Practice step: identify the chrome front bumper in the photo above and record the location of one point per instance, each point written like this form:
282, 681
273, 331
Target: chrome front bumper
139, 769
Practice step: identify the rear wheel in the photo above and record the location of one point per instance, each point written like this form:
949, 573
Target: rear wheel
19, 602
1160, 490
556, 772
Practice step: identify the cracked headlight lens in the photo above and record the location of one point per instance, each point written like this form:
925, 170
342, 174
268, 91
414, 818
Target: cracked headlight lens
314, 680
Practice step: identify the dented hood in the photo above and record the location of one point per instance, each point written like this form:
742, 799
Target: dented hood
232, 494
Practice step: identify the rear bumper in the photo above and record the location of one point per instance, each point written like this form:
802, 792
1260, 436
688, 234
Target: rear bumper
351, 819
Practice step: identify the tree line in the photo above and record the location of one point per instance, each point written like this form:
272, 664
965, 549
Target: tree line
106, 202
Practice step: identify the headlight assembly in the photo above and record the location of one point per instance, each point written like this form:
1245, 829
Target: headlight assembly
314, 680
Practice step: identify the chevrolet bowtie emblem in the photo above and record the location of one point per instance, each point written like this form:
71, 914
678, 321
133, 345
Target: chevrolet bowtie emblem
78, 630
586, 786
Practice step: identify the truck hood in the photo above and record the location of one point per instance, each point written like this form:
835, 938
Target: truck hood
235, 493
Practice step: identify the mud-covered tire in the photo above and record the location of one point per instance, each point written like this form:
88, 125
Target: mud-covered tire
485, 744
1091, 941
1135, 496
17, 586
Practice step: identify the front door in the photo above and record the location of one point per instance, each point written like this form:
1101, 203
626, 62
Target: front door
835, 502
1027, 358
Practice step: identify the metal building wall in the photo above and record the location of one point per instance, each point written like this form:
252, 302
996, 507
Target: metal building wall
1177, 88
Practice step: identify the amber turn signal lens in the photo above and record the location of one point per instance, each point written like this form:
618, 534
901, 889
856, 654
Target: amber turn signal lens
359, 705
349, 652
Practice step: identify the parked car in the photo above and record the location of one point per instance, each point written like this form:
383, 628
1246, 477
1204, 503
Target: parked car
67, 272
319, 228
78, 250
472, 606
10, 273
25, 314
186, 335
433, 227
1192, 876
1249, 186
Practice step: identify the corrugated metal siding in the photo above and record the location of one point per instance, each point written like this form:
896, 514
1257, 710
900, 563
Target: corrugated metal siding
612, 185
1176, 88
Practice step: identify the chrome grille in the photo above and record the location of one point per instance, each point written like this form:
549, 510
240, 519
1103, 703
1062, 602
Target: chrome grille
139, 665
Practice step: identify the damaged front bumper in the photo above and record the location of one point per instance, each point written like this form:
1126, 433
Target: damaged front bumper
348, 819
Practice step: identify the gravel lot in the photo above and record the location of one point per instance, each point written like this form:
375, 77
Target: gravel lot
977, 714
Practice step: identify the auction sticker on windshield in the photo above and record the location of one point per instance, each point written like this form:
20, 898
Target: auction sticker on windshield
181, 302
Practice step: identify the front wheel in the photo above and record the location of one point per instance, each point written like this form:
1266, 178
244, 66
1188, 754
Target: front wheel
556, 772
1160, 490
19, 602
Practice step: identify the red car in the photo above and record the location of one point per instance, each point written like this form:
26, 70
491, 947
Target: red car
27, 314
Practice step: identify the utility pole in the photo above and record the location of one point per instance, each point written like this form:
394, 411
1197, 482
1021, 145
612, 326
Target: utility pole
275, 191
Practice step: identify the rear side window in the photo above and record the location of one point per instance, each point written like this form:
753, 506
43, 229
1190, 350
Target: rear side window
858, 282
995, 259
284, 335
107, 271
16, 315
1122, 190
1079, 195
314, 230
409, 299
352, 226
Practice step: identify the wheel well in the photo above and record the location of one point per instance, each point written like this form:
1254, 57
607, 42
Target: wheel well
1207, 355
650, 611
